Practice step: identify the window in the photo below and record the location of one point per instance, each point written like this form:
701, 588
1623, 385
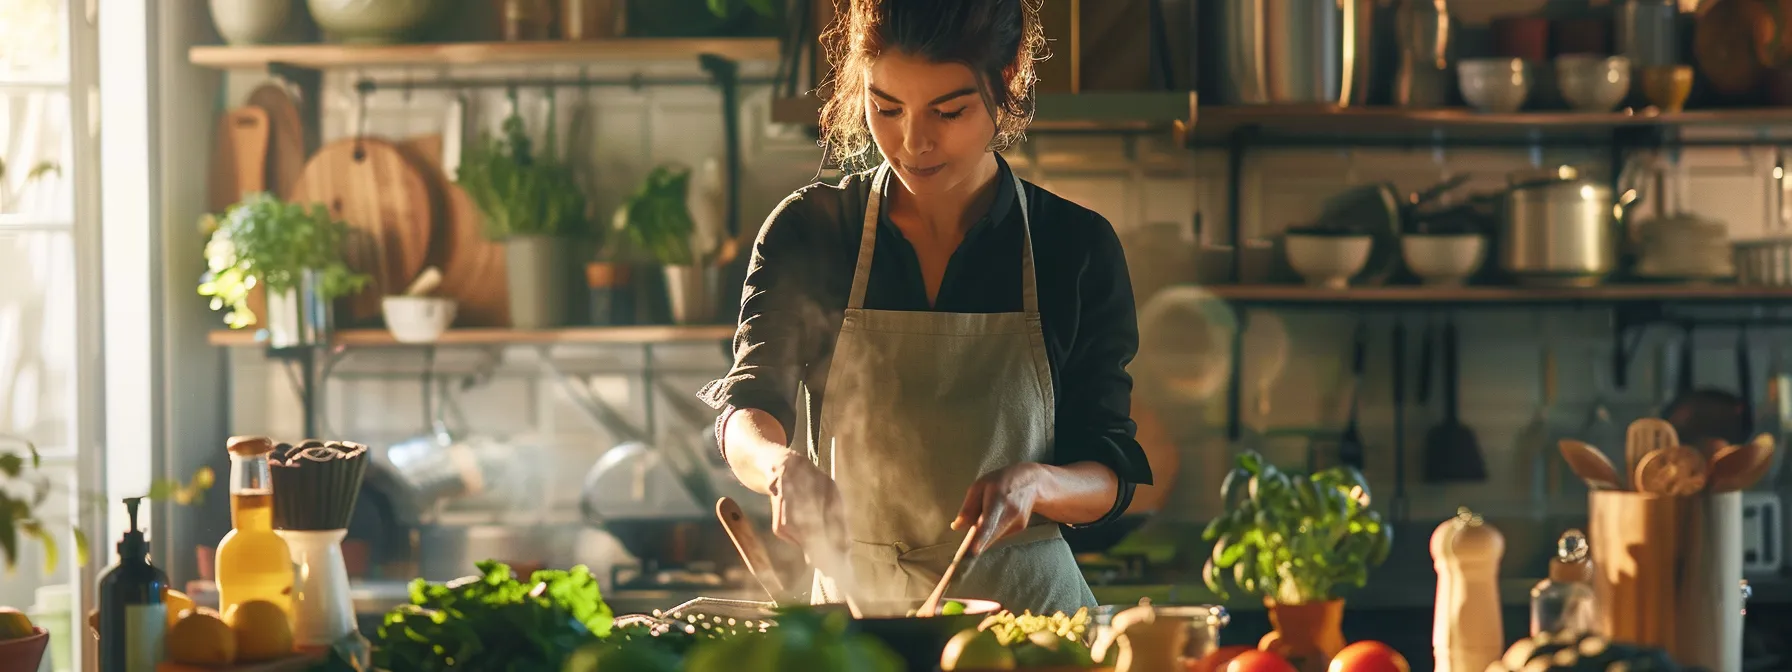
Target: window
38, 297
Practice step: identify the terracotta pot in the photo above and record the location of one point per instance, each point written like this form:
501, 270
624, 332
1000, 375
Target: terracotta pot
24, 655
1307, 635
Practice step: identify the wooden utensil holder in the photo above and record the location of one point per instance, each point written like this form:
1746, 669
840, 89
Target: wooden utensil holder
1667, 572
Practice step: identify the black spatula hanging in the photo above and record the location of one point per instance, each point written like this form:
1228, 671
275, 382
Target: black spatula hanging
1452, 453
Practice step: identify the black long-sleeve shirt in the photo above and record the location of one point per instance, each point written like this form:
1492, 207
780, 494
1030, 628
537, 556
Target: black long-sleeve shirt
801, 272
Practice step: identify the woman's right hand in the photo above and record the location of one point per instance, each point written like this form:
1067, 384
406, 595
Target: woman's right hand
806, 508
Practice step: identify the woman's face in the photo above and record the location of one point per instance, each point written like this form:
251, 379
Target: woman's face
929, 121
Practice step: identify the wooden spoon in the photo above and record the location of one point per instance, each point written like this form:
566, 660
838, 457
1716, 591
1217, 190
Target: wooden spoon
753, 553
931, 606
1676, 471
1739, 467
1590, 465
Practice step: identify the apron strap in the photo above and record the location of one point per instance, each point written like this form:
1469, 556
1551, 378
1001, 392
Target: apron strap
861, 272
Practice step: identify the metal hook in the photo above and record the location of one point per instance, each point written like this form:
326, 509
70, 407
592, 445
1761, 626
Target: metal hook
363, 88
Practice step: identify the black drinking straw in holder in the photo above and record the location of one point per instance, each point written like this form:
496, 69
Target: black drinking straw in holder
316, 483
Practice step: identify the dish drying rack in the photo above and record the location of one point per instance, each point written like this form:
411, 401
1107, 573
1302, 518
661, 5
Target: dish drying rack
710, 617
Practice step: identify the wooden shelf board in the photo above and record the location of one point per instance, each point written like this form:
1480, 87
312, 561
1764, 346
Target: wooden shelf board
497, 336
1216, 122
1419, 294
480, 53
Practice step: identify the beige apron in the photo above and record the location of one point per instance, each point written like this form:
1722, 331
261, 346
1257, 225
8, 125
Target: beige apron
919, 405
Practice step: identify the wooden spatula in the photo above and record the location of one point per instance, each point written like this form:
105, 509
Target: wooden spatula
1591, 465
931, 606
746, 542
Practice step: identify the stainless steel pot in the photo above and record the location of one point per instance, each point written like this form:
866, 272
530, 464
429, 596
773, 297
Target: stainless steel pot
1297, 51
1558, 230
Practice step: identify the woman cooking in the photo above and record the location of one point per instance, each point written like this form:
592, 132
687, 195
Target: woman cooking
962, 336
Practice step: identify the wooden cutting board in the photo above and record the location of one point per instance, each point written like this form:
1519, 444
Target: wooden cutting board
371, 185
286, 138
472, 266
239, 159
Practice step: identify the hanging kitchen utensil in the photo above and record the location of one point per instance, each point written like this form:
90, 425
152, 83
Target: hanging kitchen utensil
752, 552
1350, 446
1702, 414
1452, 453
1591, 465
1598, 430
370, 185
1398, 509
1536, 466
454, 136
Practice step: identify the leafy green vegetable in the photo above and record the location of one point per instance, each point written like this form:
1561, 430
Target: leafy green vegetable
494, 622
655, 220
520, 192
723, 8
1294, 538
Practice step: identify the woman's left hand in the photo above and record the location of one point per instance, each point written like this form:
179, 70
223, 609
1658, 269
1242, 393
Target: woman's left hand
1000, 503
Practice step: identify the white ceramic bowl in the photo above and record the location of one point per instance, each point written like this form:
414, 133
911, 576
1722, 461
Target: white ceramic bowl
1328, 260
1593, 83
1494, 84
417, 319
1444, 259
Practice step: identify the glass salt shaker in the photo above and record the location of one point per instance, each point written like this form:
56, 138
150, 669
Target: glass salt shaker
1564, 601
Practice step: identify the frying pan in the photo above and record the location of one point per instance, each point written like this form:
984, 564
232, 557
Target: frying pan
1709, 413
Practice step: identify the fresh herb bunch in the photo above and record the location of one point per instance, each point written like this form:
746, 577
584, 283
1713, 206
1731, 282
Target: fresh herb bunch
24, 490
1294, 538
494, 622
263, 240
521, 192
655, 221
805, 639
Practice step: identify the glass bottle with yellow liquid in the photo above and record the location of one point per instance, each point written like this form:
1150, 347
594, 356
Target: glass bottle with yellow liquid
253, 562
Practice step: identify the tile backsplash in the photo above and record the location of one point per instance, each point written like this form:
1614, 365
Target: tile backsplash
376, 395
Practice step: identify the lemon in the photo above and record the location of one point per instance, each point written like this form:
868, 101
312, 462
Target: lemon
976, 650
263, 631
176, 603
201, 638
14, 624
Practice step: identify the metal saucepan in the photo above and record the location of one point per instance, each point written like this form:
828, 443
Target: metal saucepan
1558, 228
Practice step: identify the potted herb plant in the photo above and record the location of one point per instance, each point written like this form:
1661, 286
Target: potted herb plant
656, 225
534, 204
1295, 539
723, 18
294, 251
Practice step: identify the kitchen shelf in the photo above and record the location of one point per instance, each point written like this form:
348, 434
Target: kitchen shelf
1092, 111
1303, 124
322, 56
362, 338
1301, 294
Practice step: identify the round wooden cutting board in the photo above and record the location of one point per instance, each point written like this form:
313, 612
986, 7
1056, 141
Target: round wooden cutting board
472, 266
370, 185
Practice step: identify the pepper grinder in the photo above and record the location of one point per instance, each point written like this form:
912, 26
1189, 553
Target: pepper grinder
1466, 634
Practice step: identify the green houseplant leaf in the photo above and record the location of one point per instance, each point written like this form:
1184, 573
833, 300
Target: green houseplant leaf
266, 241
655, 222
520, 192
23, 492
1293, 537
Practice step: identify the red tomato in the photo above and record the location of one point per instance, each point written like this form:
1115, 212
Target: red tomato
1216, 661
1257, 661
1368, 657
